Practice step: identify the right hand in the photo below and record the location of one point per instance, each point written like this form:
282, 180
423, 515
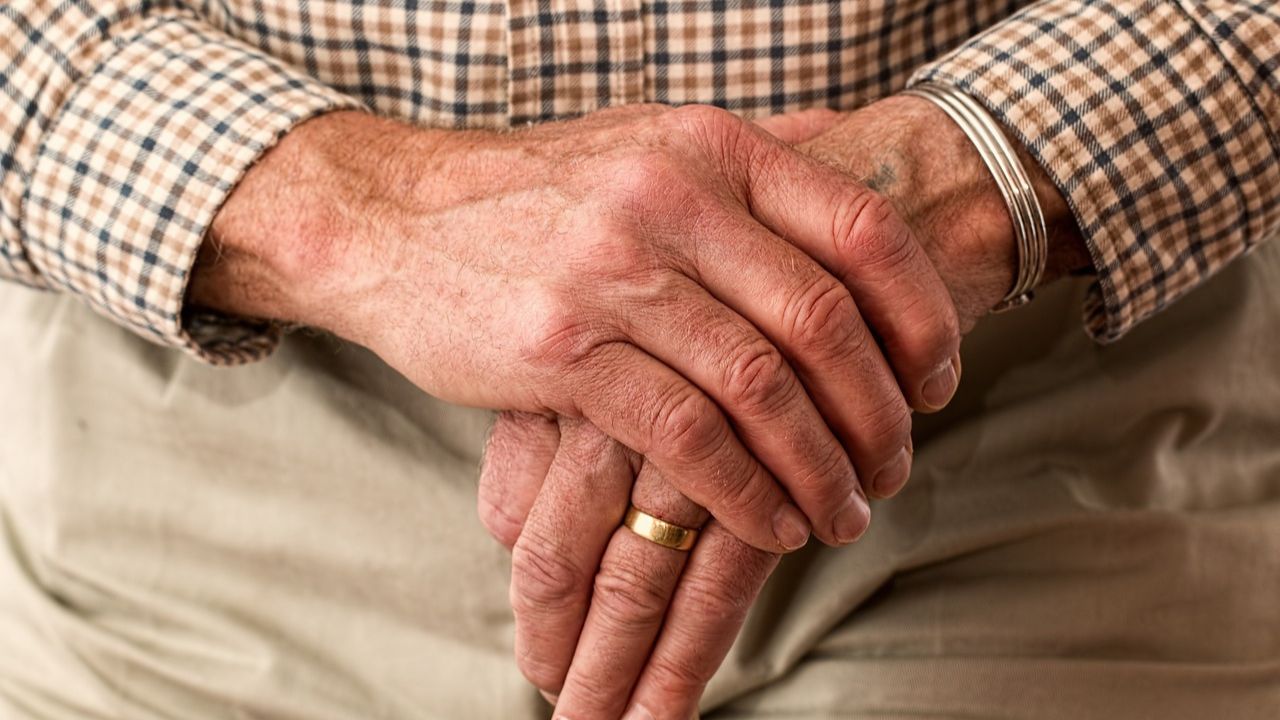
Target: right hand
686, 282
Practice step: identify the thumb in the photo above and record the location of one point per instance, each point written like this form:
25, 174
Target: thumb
799, 126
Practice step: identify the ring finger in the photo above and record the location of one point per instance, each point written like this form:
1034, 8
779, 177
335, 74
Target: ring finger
633, 588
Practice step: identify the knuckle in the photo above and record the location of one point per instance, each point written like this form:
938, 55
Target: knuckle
704, 119
762, 159
757, 380
567, 335
541, 672
624, 247
887, 425
931, 339
680, 674
948, 328
587, 450
860, 343
726, 598
821, 315
542, 578
628, 598
688, 426
517, 429
714, 129
653, 189
657, 293
942, 337
925, 332
826, 476
746, 494
630, 253
868, 230
640, 181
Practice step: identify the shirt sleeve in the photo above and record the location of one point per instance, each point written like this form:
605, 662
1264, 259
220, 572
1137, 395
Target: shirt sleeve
1158, 120
124, 124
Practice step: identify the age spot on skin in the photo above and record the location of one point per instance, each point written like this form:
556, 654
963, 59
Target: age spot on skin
884, 176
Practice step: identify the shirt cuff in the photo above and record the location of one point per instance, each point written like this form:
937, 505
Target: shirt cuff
1134, 113
137, 161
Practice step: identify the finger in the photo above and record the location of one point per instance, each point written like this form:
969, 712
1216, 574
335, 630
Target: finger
632, 590
857, 234
743, 371
555, 559
799, 126
720, 582
647, 406
812, 318
747, 375
516, 458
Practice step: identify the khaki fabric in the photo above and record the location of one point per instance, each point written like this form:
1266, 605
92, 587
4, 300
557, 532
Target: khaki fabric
1090, 532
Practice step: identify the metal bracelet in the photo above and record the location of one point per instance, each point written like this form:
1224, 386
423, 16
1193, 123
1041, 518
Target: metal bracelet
1011, 178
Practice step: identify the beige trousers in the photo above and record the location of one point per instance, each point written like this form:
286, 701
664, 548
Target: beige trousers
1089, 532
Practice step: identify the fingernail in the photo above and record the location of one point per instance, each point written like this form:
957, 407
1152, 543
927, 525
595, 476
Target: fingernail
852, 520
553, 699
941, 385
637, 712
790, 527
890, 479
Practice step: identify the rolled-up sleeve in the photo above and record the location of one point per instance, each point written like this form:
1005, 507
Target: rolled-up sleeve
1158, 120
124, 125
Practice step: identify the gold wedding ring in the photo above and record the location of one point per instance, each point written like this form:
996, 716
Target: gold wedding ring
659, 531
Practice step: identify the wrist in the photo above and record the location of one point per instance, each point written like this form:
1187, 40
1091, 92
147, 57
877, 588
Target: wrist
909, 150
301, 238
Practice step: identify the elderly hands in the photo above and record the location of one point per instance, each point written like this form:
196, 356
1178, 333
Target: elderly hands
692, 286
751, 321
606, 619
610, 621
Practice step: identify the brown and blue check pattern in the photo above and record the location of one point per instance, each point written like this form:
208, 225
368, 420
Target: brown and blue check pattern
1160, 123
124, 124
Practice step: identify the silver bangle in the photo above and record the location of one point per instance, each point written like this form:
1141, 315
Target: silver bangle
1011, 177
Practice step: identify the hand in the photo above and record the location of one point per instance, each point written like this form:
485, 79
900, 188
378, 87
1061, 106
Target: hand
628, 268
565, 528
909, 150
606, 619
944, 188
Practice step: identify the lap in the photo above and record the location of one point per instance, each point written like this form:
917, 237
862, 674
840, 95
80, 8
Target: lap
1087, 529
295, 538
1089, 532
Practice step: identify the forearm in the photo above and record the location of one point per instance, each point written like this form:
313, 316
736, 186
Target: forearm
312, 229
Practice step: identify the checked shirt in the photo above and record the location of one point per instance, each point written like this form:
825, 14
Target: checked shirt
124, 124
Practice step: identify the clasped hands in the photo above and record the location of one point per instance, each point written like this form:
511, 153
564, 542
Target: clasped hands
683, 310
863, 330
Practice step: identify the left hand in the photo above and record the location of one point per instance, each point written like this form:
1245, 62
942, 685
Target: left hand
598, 658
604, 616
